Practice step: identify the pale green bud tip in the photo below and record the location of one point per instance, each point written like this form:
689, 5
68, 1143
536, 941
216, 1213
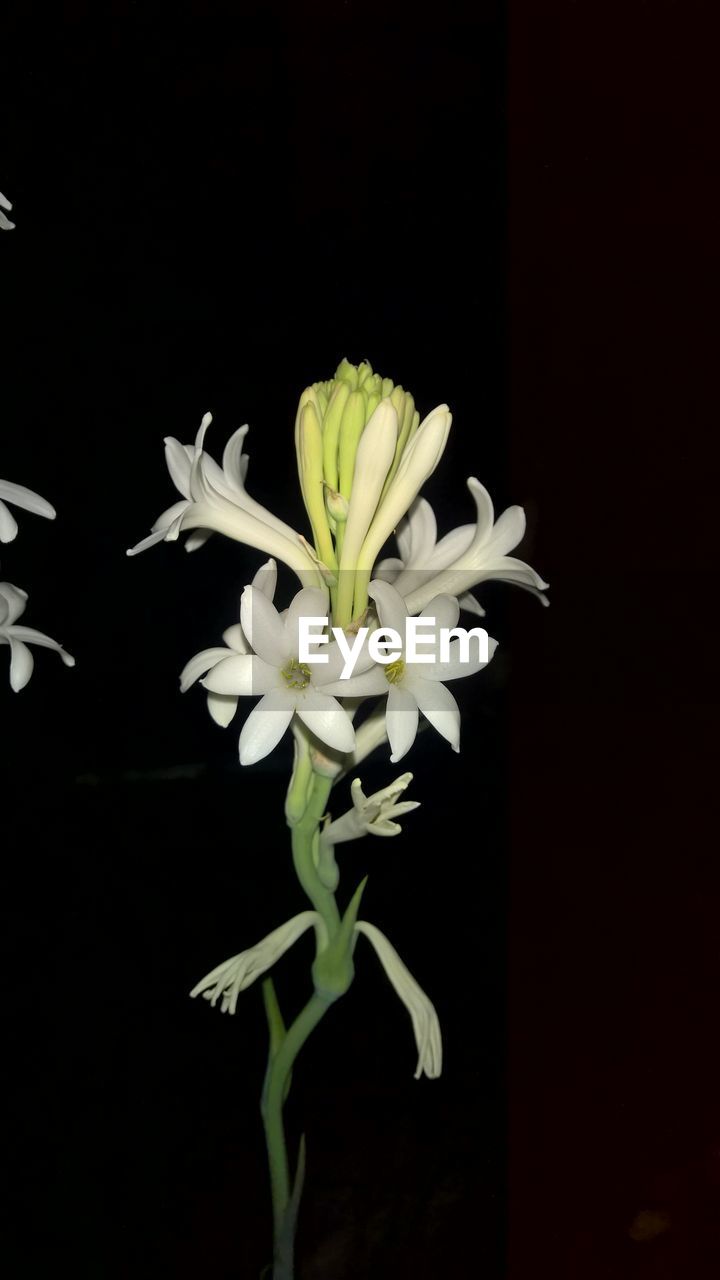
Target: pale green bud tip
337, 506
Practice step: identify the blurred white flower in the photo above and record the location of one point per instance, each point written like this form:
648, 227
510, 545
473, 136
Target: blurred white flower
239, 972
19, 496
222, 706
469, 555
214, 499
12, 605
288, 687
416, 685
371, 815
5, 223
426, 1025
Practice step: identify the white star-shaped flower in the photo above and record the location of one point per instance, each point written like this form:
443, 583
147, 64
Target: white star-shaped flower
19, 496
416, 685
12, 606
288, 686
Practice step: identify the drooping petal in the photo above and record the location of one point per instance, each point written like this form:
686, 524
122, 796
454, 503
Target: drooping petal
439, 707
508, 569
327, 719
31, 636
236, 639
484, 510
266, 725
390, 606
231, 977
242, 675
197, 539
468, 602
27, 499
444, 609
198, 665
233, 459
507, 533
401, 719
423, 1015
264, 628
8, 524
21, 663
222, 708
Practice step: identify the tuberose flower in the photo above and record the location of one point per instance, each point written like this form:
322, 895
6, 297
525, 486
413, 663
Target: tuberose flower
288, 687
371, 815
413, 685
422, 556
19, 496
423, 1015
12, 606
469, 555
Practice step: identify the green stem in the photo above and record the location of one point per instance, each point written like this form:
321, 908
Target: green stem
273, 1099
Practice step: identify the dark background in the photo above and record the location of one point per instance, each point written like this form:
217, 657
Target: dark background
510, 209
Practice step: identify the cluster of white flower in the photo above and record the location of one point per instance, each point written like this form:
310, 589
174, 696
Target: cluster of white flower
363, 456
13, 599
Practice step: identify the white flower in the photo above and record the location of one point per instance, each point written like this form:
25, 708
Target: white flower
469, 555
239, 972
422, 556
214, 499
421, 1009
288, 686
414, 686
5, 223
371, 815
20, 497
12, 605
225, 982
222, 706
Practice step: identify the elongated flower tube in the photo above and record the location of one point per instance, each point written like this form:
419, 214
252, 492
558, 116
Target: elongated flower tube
5, 223
374, 457
417, 464
480, 553
24, 498
423, 1015
12, 606
228, 979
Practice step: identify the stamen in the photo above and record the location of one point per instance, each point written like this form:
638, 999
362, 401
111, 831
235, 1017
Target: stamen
296, 674
395, 671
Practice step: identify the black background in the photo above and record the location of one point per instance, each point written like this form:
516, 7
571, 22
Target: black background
509, 209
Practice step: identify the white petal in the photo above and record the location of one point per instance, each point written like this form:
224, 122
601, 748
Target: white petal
169, 516
507, 533
325, 717
27, 499
222, 708
21, 664
423, 1015
508, 569
455, 668
242, 676
363, 685
14, 600
150, 541
390, 606
266, 725
197, 539
8, 524
485, 513
440, 708
39, 638
387, 570
468, 602
178, 464
401, 720
233, 459
266, 578
451, 547
444, 609
311, 602
264, 628
417, 534
236, 639
198, 665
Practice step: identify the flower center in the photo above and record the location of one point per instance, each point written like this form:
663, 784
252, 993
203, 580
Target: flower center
395, 671
296, 674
